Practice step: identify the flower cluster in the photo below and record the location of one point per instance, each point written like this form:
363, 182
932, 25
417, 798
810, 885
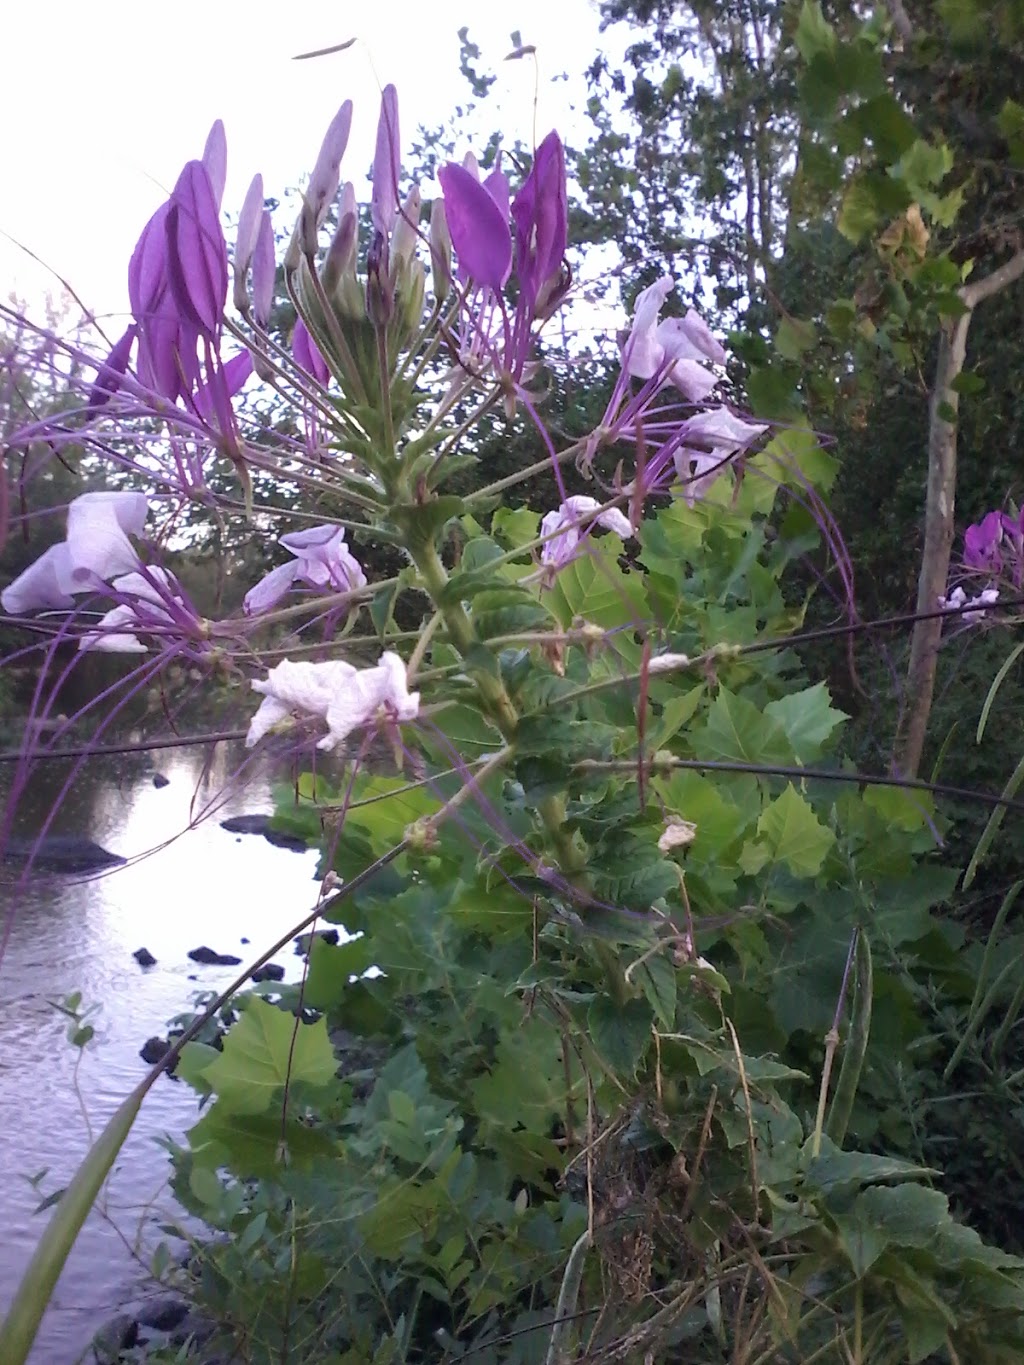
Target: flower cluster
993, 549
374, 440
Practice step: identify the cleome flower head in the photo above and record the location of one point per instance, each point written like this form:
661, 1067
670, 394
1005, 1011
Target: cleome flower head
345, 698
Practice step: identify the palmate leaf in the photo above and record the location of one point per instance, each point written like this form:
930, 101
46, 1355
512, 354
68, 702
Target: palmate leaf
794, 835
265, 1050
808, 718
594, 587
737, 731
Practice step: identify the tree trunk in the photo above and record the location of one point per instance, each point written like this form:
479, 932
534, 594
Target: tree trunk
940, 501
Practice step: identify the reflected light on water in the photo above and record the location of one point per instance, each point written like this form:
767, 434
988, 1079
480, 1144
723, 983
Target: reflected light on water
204, 887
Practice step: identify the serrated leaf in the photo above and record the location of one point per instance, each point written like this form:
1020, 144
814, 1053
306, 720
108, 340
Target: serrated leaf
808, 718
736, 729
264, 1050
793, 833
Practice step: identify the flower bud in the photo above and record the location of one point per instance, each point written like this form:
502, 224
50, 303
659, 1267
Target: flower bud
249, 222
341, 254
406, 233
380, 298
440, 251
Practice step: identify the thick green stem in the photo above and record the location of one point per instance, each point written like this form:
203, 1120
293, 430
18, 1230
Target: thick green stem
856, 1043
499, 704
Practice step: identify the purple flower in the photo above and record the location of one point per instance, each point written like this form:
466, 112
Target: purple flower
564, 526
197, 255
541, 215
325, 177
982, 541
386, 165
112, 371
673, 350
346, 698
307, 354
725, 434
478, 227
322, 559
154, 602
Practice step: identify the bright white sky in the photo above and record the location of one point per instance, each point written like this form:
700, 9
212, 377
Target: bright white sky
105, 102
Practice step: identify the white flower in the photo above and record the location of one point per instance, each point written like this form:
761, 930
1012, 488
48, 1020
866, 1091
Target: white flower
151, 593
675, 348
563, 527
95, 551
969, 607
345, 698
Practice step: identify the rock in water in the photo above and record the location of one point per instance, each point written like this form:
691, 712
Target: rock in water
209, 958
114, 1337
61, 853
144, 957
154, 1050
160, 781
261, 824
273, 971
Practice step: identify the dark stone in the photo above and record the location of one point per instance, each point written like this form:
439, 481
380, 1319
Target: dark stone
117, 1335
192, 976
260, 824
160, 781
193, 1327
208, 958
144, 957
273, 971
163, 1314
302, 943
61, 853
154, 1050
243, 939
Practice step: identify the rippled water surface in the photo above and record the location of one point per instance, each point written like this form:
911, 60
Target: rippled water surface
201, 885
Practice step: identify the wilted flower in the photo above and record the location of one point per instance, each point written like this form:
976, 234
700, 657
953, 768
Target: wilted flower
677, 834
344, 697
563, 527
322, 559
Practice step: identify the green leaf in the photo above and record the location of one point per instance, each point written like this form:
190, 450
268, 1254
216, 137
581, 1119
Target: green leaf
808, 718
595, 587
331, 968
814, 34
923, 166
737, 730
794, 337
860, 212
794, 834
621, 1033
264, 1050
1010, 123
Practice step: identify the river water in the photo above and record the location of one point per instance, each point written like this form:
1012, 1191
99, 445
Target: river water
201, 885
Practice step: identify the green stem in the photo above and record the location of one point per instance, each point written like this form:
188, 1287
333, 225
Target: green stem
856, 1043
568, 1297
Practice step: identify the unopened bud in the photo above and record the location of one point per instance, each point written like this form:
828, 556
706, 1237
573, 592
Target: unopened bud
264, 271
245, 244
341, 254
440, 251
406, 233
411, 292
380, 299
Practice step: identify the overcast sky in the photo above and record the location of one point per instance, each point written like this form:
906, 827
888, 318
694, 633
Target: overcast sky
105, 102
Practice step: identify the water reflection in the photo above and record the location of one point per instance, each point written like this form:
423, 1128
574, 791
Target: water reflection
205, 887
